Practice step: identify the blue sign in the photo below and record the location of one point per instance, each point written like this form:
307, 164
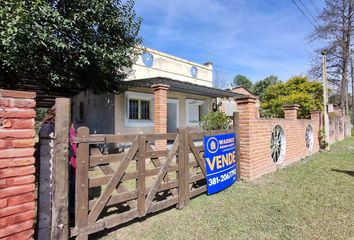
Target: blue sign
220, 161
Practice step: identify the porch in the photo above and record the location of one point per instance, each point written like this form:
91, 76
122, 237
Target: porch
162, 105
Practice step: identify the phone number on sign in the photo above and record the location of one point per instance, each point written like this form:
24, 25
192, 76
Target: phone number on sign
221, 178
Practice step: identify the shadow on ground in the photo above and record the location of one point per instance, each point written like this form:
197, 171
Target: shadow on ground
350, 173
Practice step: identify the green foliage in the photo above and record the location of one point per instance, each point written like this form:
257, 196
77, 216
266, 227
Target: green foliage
322, 139
241, 80
40, 114
215, 121
68, 43
297, 90
261, 86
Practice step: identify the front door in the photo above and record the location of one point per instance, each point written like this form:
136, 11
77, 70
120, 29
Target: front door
172, 115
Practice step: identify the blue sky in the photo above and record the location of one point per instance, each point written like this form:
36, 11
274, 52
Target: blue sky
255, 38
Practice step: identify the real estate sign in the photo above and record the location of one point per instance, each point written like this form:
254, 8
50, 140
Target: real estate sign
220, 158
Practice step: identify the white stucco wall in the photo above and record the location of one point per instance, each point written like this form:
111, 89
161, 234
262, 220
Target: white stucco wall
165, 65
106, 113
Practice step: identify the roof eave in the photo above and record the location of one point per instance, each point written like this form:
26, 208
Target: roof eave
183, 87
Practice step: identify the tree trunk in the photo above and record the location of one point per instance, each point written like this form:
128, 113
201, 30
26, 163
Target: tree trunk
347, 28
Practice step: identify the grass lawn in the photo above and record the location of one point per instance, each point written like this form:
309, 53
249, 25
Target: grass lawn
312, 199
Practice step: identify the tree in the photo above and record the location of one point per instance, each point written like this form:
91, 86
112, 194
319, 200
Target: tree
297, 90
68, 43
336, 30
220, 79
261, 86
241, 80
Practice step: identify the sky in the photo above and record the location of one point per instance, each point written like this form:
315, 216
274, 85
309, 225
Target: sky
255, 38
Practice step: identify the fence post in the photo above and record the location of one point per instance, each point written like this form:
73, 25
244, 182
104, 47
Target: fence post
181, 169
60, 211
81, 186
186, 165
141, 169
236, 126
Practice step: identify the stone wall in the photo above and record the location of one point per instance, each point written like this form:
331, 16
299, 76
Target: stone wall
44, 203
339, 128
255, 138
17, 187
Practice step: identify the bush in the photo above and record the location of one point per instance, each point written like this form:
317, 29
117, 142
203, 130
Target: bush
40, 115
297, 90
215, 121
322, 139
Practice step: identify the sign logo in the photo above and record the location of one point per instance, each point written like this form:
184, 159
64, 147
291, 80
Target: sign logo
212, 145
220, 161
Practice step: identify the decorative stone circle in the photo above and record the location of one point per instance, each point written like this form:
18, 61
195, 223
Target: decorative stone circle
148, 59
194, 71
309, 138
278, 144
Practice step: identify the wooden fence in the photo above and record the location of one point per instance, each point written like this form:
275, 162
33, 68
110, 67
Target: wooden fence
112, 189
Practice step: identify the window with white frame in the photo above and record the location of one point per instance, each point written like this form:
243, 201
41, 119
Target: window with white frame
230, 107
139, 109
194, 111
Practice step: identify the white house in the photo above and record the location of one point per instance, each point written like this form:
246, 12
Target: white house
164, 93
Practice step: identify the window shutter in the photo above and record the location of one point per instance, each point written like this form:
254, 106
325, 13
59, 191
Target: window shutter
193, 112
230, 108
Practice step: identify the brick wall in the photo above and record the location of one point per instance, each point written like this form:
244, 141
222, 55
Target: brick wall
255, 138
17, 197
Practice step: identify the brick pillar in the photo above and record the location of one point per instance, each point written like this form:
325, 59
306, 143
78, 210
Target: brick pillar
315, 116
247, 106
248, 113
290, 111
316, 124
160, 113
17, 197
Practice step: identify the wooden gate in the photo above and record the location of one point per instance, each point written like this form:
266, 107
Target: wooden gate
114, 188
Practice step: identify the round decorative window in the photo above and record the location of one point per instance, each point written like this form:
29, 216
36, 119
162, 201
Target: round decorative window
194, 71
309, 137
278, 144
148, 59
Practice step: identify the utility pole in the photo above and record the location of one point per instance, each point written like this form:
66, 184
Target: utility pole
325, 97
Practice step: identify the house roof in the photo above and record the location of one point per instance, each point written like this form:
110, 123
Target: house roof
44, 97
183, 87
240, 87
